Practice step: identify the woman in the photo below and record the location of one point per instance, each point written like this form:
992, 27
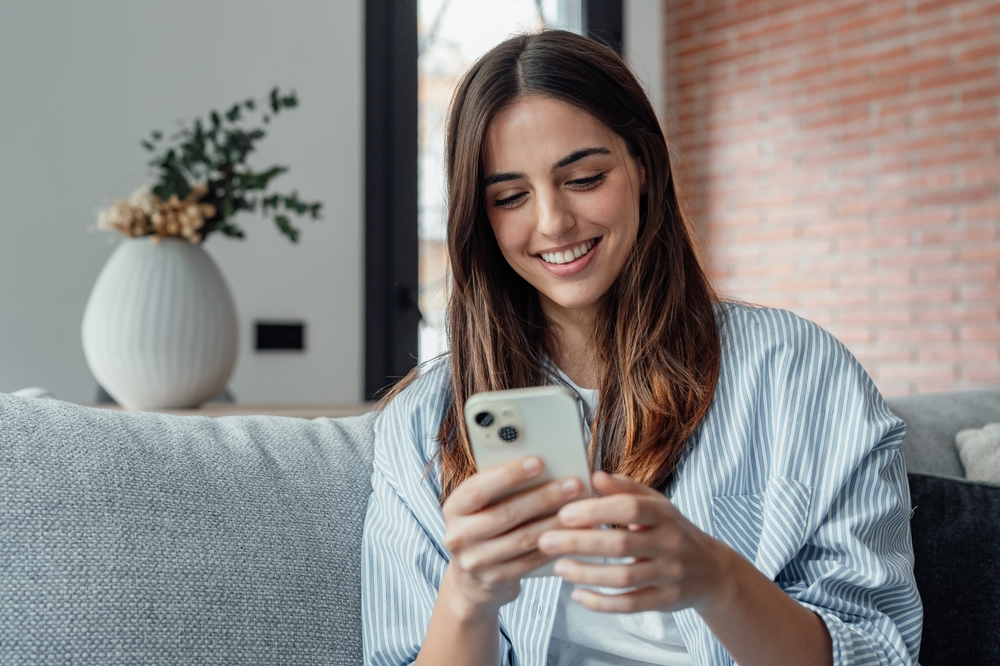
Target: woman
753, 461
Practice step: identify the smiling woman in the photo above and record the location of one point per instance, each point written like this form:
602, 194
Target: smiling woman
752, 469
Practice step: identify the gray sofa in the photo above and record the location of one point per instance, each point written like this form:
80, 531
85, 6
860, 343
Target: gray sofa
142, 538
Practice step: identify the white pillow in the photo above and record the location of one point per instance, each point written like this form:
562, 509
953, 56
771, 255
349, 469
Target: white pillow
979, 449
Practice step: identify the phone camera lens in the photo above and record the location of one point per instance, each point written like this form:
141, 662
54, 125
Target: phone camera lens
507, 433
485, 419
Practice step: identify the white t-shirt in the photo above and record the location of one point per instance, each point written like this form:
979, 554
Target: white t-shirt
582, 637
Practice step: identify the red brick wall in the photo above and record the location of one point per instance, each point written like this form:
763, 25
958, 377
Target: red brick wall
841, 159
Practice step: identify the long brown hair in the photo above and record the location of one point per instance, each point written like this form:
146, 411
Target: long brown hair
656, 334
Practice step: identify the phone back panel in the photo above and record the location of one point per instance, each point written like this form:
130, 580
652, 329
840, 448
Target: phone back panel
543, 421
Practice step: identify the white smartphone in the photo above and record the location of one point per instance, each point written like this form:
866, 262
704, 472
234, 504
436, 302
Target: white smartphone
542, 421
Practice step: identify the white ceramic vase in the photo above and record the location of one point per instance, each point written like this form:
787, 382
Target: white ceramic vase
160, 329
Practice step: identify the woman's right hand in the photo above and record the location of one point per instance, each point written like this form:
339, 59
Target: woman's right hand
493, 545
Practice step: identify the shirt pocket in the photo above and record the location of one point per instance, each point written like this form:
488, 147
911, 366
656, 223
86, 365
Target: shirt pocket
767, 528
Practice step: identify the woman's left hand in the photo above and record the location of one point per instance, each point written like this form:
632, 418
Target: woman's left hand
676, 565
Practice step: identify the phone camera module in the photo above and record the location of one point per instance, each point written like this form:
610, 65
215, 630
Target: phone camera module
484, 419
507, 433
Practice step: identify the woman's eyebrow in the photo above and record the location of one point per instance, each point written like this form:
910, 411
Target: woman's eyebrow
566, 161
579, 155
501, 177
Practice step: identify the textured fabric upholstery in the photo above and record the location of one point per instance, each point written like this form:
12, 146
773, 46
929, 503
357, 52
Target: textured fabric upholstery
132, 538
956, 545
933, 420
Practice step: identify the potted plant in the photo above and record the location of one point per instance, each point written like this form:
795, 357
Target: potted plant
160, 328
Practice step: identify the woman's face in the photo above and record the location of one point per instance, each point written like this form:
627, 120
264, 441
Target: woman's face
562, 195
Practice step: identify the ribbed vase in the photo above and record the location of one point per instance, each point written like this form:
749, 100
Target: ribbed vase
160, 329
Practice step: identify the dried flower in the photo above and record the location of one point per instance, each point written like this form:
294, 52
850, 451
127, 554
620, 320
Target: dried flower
146, 214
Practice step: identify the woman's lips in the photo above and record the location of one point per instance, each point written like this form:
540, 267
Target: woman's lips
571, 267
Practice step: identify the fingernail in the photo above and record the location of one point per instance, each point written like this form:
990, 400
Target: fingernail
561, 568
567, 514
570, 487
532, 465
547, 542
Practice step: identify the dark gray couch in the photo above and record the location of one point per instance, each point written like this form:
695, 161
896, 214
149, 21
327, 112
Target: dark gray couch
141, 538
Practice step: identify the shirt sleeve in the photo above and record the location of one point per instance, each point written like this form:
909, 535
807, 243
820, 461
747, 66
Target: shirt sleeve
856, 570
403, 554
855, 567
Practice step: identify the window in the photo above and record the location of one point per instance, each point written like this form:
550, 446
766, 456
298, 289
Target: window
415, 53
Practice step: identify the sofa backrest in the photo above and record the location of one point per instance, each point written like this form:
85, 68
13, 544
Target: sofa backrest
933, 420
142, 538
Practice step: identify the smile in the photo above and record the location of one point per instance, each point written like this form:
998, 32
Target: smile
572, 254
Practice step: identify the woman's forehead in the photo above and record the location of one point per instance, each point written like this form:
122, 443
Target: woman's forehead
539, 131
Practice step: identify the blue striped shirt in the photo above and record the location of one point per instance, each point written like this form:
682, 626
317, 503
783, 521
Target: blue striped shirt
797, 466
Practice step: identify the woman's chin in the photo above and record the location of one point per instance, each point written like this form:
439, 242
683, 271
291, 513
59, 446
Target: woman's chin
568, 303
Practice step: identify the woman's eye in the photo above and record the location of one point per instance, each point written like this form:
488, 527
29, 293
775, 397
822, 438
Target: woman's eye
586, 183
509, 202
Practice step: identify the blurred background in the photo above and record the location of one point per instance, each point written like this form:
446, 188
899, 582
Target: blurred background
836, 158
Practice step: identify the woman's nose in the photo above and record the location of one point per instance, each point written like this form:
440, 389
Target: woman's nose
554, 218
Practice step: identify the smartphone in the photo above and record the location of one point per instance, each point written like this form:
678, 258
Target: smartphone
543, 421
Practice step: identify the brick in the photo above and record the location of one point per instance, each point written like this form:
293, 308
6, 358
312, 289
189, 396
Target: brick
954, 78
990, 51
922, 335
860, 24
968, 114
988, 173
878, 316
980, 253
980, 10
959, 195
980, 333
911, 66
951, 236
877, 92
943, 158
986, 93
959, 354
960, 315
989, 210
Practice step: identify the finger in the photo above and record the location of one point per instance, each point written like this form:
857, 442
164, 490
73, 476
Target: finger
606, 543
514, 569
646, 599
613, 484
515, 511
641, 574
482, 488
621, 509
512, 545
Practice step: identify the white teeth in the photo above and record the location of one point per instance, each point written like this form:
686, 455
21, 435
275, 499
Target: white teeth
568, 255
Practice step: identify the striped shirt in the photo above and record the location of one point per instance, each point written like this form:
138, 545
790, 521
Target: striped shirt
797, 466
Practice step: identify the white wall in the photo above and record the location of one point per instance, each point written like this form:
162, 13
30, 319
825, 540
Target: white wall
82, 83
642, 38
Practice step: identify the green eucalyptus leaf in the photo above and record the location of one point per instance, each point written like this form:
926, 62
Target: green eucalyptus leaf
285, 225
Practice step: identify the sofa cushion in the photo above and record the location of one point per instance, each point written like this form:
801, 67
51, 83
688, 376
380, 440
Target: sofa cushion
933, 420
143, 538
956, 542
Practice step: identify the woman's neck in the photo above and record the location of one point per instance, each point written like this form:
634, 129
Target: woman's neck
573, 333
